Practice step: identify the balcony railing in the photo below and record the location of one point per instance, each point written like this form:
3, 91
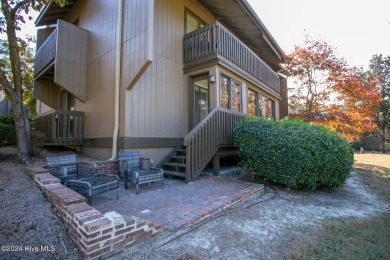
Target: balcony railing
215, 42
61, 127
46, 54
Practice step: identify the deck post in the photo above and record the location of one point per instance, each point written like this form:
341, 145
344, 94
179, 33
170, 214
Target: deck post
216, 165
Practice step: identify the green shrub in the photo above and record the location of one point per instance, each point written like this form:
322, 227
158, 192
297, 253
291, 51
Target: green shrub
7, 134
294, 153
37, 141
8, 120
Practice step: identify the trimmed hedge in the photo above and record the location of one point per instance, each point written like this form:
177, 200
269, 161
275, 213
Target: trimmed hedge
294, 153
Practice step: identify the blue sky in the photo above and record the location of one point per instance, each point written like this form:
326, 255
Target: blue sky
358, 29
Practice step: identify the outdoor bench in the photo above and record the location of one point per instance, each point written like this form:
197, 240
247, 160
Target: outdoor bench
66, 167
90, 186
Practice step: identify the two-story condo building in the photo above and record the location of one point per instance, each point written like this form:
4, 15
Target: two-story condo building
166, 77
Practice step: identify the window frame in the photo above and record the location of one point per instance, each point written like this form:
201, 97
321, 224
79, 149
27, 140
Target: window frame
257, 100
200, 20
230, 93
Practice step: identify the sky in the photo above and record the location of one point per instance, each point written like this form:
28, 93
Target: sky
357, 28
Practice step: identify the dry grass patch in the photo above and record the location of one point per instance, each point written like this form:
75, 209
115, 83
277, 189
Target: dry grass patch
373, 158
353, 238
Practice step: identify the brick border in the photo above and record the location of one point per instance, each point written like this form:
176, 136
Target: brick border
96, 235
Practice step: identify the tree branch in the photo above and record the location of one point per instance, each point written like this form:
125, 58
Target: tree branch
19, 5
4, 81
5, 7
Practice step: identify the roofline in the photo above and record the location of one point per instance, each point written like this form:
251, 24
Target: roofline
43, 12
266, 34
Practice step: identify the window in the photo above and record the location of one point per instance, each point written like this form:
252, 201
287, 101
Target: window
253, 103
193, 22
267, 107
230, 94
259, 105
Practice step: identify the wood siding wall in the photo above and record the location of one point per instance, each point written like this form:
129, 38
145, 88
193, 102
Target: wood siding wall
47, 92
99, 18
157, 105
71, 58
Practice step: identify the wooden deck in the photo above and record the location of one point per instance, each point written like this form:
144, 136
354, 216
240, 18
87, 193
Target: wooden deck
61, 127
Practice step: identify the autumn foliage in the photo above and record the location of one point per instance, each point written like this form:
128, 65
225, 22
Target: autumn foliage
330, 93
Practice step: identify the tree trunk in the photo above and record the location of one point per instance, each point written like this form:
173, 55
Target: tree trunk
16, 90
383, 140
22, 130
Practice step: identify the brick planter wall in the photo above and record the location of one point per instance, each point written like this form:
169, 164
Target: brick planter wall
97, 235
106, 167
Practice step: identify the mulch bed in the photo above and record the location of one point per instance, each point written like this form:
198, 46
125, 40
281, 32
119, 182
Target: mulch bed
29, 226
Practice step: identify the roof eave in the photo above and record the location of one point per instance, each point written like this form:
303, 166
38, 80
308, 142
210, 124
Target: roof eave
266, 34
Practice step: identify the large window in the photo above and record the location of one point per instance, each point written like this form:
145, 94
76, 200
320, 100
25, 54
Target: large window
259, 105
193, 22
230, 94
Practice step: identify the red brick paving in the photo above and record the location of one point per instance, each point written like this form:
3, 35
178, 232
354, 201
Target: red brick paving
177, 204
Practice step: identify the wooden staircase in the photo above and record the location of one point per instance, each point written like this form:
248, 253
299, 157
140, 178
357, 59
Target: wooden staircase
200, 145
176, 165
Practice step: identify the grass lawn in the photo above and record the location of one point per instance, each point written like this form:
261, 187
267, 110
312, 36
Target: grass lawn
354, 238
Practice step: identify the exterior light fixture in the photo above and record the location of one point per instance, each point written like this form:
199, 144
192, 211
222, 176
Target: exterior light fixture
212, 78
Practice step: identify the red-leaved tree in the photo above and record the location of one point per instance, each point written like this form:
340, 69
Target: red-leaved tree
328, 92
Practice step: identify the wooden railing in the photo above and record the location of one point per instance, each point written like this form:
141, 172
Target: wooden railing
46, 53
214, 41
61, 127
213, 132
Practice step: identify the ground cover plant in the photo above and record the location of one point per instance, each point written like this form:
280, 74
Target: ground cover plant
294, 153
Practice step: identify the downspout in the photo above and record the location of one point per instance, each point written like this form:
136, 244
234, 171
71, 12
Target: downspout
117, 81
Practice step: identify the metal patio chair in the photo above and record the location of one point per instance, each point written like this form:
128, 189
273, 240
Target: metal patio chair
139, 170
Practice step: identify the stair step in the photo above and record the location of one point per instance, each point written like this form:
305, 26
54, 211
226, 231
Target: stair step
173, 173
177, 157
176, 164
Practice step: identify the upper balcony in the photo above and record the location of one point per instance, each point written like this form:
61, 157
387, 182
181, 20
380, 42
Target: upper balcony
62, 58
214, 43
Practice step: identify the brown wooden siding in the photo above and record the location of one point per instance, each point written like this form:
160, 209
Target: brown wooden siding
157, 104
99, 17
47, 92
71, 58
64, 52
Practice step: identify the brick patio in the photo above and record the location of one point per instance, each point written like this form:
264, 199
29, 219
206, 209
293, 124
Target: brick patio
177, 204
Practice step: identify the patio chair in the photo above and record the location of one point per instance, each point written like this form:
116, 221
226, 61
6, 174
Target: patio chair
66, 167
139, 170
